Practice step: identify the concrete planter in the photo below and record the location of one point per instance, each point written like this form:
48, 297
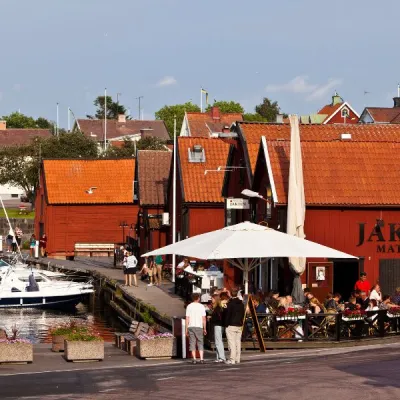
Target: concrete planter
58, 343
84, 351
16, 353
156, 348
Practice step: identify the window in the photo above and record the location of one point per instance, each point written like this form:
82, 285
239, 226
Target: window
268, 213
13, 195
135, 190
345, 112
197, 154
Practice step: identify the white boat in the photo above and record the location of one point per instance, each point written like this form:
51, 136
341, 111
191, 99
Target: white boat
24, 270
37, 290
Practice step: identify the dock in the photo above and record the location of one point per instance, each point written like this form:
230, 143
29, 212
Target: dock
129, 302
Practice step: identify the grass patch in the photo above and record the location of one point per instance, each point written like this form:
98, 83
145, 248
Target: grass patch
14, 213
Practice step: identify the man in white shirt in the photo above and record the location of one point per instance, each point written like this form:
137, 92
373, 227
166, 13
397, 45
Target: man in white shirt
196, 327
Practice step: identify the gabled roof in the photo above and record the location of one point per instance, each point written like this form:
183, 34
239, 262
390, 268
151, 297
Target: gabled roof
153, 171
95, 128
383, 115
67, 181
14, 137
203, 124
345, 173
253, 131
199, 187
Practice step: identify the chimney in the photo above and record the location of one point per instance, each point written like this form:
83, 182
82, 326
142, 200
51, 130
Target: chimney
121, 118
396, 101
215, 114
279, 118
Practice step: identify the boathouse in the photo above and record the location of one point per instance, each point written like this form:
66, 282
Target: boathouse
86, 202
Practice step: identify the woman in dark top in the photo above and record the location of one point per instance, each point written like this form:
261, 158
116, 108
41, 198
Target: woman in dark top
217, 321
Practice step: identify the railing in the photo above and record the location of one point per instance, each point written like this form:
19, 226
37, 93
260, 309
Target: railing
319, 327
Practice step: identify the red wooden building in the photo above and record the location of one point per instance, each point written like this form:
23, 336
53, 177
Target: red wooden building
152, 175
200, 205
351, 202
85, 201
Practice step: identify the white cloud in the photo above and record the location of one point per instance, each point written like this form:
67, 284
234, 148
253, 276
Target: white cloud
17, 87
167, 81
301, 84
324, 90
298, 84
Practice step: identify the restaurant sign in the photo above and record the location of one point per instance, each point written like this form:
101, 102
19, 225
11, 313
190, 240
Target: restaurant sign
237, 204
386, 236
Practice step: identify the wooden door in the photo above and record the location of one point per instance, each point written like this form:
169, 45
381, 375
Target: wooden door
320, 279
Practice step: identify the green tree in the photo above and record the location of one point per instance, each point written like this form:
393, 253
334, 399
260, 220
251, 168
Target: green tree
19, 165
128, 149
113, 108
167, 114
254, 117
43, 123
151, 143
268, 109
17, 120
227, 107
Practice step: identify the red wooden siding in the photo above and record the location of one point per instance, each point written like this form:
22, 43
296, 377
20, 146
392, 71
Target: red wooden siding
152, 239
338, 119
202, 220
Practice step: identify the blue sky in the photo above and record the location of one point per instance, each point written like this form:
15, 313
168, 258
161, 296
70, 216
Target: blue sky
296, 52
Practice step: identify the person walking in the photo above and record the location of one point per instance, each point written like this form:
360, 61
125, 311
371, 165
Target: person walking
152, 272
362, 284
131, 266
234, 318
196, 327
158, 261
43, 245
217, 321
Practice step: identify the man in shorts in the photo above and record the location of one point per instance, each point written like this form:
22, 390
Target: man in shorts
196, 327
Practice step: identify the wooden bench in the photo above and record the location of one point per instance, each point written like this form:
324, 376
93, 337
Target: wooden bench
127, 340
94, 249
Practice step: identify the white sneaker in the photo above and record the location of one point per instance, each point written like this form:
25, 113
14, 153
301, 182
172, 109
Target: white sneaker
229, 362
150, 284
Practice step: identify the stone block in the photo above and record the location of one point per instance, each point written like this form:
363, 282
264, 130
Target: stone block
16, 352
156, 348
84, 351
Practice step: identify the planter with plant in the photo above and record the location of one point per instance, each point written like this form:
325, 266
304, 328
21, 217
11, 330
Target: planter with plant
160, 345
61, 332
14, 349
84, 346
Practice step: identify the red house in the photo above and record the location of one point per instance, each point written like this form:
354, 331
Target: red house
352, 202
153, 169
200, 205
84, 202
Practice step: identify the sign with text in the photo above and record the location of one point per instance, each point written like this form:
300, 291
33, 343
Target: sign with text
237, 204
386, 236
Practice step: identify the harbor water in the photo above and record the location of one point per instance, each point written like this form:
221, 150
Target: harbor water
35, 324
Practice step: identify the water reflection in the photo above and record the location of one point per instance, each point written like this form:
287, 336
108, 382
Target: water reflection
34, 324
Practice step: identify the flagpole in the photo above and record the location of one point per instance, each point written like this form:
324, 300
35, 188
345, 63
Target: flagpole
57, 122
105, 119
174, 203
69, 122
201, 100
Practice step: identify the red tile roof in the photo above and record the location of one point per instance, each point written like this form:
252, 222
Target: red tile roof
13, 137
329, 109
340, 173
383, 114
115, 129
203, 124
199, 187
253, 132
66, 181
153, 172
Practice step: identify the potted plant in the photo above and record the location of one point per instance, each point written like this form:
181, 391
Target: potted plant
394, 312
14, 349
159, 345
84, 345
354, 315
60, 333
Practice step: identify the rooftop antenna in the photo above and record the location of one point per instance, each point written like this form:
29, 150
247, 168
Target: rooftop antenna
398, 90
139, 99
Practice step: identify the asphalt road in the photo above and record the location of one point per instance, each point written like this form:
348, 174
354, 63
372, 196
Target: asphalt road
367, 374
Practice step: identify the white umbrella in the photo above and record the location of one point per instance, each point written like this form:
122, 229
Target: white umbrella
244, 241
296, 210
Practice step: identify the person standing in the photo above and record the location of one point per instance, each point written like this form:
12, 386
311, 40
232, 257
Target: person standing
196, 327
43, 245
152, 272
9, 240
131, 266
18, 234
32, 245
217, 322
234, 322
158, 261
362, 284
